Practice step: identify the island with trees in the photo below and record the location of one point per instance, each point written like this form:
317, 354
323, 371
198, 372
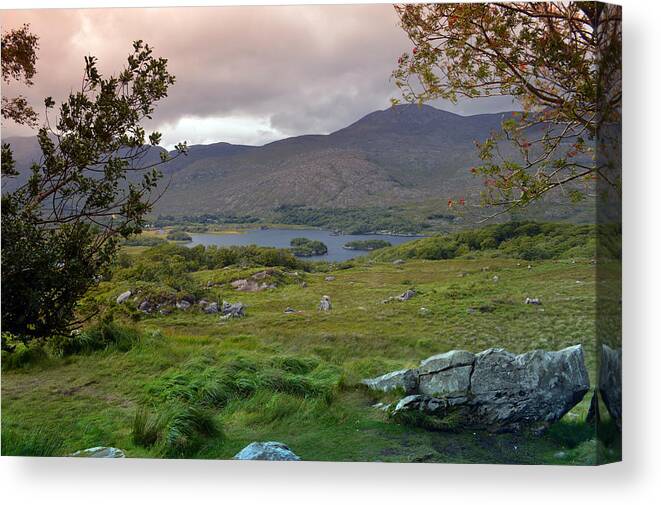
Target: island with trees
366, 245
305, 247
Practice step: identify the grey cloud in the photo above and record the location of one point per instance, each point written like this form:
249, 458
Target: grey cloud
307, 69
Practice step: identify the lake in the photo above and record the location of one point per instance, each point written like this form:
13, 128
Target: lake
276, 237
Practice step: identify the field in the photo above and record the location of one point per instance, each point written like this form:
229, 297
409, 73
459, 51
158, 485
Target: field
190, 385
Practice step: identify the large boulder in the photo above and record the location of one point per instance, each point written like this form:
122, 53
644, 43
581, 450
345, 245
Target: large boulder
99, 452
495, 389
610, 382
267, 451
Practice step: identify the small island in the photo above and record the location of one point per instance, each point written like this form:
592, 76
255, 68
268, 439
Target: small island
179, 236
366, 245
305, 247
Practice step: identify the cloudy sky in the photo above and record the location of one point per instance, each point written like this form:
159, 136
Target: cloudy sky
246, 75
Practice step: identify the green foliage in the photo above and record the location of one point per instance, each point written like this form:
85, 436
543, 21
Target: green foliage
169, 264
305, 247
367, 245
37, 442
19, 58
179, 235
92, 187
352, 221
191, 223
17, 354
525, 240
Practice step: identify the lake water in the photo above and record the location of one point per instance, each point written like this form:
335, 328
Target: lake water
275, 237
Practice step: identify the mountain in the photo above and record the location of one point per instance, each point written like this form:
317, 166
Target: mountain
403, 155
398, 155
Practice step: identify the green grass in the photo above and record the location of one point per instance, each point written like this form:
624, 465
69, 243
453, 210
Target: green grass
193, 386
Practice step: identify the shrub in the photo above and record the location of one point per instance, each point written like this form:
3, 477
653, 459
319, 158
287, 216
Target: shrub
524, 240
16, 354
146, 428
103, 335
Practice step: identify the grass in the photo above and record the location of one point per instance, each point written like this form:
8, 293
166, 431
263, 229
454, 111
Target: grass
193, 386
36, 442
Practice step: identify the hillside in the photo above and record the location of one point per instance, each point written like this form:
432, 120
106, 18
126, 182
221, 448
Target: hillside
405, 156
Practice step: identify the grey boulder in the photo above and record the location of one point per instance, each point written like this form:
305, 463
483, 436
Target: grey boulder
267, 451
99, 452
494, 389
231, 310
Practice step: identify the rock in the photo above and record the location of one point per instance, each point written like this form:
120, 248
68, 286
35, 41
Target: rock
289, 310
267, 451
329, 278
496, 278
405, 380
304, 284
99, 452
145, 306
203, 304
532, 301
424, 311
183, 304
406, 295
325, 303
230, 310
610, 382
164, 311
211, 308
262, 275
495, 389
124, 296
398, 262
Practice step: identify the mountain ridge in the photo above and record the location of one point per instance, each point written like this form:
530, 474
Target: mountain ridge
396, 156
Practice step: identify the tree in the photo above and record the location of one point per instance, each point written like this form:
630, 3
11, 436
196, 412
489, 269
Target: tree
96, 181
561, 61
19, 59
